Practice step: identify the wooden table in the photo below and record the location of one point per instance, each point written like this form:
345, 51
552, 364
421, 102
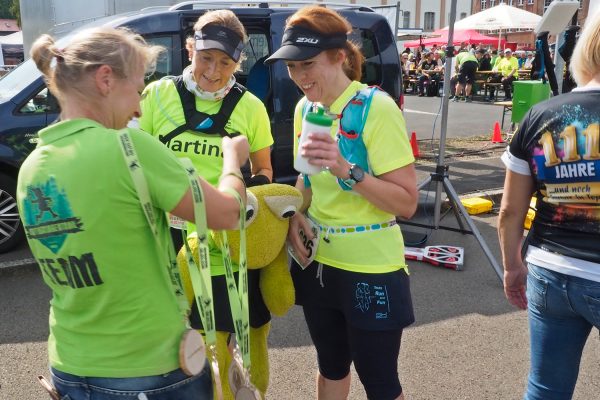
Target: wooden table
524, 74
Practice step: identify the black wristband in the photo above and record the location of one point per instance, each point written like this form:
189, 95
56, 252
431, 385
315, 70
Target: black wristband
258, 180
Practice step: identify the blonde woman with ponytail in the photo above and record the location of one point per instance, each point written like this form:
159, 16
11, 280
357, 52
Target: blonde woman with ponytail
355, 293
117, 319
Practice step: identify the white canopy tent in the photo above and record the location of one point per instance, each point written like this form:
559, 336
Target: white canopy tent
11, 45
13, 38
500, 17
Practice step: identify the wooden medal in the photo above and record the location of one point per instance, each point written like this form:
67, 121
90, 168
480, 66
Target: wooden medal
192, 352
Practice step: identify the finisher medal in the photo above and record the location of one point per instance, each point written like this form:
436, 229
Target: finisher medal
239, 380
192, 352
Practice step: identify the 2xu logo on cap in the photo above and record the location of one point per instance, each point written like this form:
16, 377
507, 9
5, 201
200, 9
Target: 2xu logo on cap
307, 40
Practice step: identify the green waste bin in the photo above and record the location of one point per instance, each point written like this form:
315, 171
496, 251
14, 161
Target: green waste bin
526, 94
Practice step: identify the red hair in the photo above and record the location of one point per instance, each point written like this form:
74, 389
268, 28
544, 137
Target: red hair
327, 22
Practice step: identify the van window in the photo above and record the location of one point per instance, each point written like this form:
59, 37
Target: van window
164, 64
372, 69
18, 79
254, 74
41, 102
256, 48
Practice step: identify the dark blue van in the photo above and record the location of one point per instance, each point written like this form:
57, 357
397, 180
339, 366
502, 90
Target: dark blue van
26, 106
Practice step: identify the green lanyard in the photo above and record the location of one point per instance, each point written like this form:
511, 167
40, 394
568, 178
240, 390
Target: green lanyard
238, 294
200, 277
141, 187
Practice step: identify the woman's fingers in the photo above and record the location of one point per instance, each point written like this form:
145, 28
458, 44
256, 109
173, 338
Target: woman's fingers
296, 224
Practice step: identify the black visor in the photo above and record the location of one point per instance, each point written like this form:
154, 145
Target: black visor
300, 44
219, 38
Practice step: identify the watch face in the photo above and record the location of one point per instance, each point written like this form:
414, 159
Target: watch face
357, 173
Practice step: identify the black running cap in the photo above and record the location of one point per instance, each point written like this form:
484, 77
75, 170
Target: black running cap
220, 38
300, 44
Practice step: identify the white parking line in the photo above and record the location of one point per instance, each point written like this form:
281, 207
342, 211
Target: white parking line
408, 110
17, 263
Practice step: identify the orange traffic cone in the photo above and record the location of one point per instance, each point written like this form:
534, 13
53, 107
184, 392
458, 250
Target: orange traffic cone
497, 136
414, 145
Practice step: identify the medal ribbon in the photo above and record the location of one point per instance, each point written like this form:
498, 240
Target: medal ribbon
141, 187
200, 277
238, 294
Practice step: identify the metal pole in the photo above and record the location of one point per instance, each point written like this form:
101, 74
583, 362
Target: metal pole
445, 99
559, 63
397, 20
440, 177
499, 41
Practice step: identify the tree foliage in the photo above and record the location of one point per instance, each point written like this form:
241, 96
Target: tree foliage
10, 9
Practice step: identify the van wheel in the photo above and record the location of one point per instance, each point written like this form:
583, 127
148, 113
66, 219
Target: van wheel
11, 230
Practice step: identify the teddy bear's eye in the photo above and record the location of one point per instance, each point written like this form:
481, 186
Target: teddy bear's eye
288, 212
283, 206
251, 207
249, 212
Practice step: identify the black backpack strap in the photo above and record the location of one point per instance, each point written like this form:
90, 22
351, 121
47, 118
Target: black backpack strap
220, 119
198, 121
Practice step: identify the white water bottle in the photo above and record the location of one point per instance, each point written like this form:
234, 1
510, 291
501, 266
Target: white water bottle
313, 122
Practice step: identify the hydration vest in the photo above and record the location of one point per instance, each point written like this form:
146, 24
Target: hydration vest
352, 122
198, 121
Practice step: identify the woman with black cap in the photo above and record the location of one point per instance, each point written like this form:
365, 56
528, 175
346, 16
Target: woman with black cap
355, 294
191, 113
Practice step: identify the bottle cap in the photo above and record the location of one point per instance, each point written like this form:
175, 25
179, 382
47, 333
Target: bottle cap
319, 118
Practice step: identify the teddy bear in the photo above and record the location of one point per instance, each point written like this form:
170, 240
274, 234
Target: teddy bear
268, 211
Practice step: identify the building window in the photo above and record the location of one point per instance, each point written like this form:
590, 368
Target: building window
406, 19
483, 4
463, 15
521, 2
429, 21
492, 3
530, 1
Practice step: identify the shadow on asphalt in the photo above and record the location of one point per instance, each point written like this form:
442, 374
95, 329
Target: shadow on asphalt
438, 294
464, 179
25, 302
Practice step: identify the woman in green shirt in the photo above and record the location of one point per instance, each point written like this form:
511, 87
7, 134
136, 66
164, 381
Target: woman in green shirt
117, 314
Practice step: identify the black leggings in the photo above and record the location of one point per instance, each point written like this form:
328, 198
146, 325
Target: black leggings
374, 353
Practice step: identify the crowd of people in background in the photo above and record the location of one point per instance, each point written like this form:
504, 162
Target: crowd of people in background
424, 69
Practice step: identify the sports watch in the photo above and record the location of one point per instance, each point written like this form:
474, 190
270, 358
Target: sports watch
356, 175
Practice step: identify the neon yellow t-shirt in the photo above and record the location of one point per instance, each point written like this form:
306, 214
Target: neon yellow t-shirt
465, 56
162, 112
505, 66
388, 148
113, 310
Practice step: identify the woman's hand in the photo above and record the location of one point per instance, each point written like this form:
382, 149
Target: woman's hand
323, 150
299, 223
236, 147
515, 280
